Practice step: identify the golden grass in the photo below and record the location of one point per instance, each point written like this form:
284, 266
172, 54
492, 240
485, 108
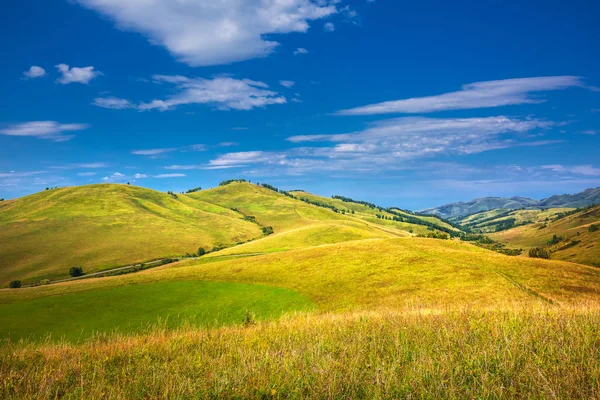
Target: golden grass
532, 353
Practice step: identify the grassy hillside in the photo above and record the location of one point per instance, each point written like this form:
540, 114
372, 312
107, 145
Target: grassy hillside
578, 243
103, 226
370, 212
357, 275
503, 219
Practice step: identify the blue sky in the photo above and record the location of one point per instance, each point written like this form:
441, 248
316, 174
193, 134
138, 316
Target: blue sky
411, 105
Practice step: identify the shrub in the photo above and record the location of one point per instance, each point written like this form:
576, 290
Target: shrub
76, 271
555, 240
267, 230
539, 252
593, 228
201, 252
15, 284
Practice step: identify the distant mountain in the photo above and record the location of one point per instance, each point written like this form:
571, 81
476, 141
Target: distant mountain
583, 199
455, 210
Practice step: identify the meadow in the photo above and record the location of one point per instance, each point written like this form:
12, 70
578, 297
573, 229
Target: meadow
330, 305
431, 354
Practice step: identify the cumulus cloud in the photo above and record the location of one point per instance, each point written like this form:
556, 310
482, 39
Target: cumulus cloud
474, 95
115, 177
300, 50
207, 32
112, 102
76, 75
224, 93
50, 130
34, 72
140, 176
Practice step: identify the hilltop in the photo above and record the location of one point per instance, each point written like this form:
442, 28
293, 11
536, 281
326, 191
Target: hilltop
461, 209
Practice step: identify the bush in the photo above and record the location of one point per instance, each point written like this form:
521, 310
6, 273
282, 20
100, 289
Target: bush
267, 230
201, 252
555, 240
15, 284
538, 252
593, 228
76, 271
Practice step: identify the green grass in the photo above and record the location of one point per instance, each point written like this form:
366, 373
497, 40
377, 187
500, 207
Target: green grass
513, 354
487, 222
103, 226
132, 308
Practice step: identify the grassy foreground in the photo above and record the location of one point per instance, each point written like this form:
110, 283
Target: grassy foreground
132, 308
548, 353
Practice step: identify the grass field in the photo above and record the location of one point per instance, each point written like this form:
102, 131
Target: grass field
578, 244
126, 309
513, 354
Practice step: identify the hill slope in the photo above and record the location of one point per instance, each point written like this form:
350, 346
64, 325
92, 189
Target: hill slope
579, 241
502, 219
102, 226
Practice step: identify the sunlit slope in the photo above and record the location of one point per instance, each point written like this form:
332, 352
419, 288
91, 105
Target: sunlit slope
502, 219
377, 273
367, 213
579, 242
268, 207
102, 226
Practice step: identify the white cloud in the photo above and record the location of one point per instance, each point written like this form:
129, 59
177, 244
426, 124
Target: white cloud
590, 132
586, 170
92, 165
225, 93
300, 50
115, 177
76, 75
153, 152
140, 176
35, 72
112, 102
208, 32
50, 130
163, 176
86, 174
474, 95
287, 84
329, 27
393, 144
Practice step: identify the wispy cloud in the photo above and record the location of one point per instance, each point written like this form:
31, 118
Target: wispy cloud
205, 32
474, 95
87, 165
165, 176
165, 150
586, 170
76, 75
287, 84
113, 103
224, 93
34, 72
329, 27
300, 50
86, 173
393, 144
50, 130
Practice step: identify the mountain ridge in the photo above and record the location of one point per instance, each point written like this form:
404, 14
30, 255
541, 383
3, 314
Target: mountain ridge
585, 198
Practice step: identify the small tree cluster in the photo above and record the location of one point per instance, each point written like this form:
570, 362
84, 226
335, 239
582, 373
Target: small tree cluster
593, 228
539, 252
201, 252
173, 195
267, 230
227, 182
192, 190
15, 284
76, 271
555, 240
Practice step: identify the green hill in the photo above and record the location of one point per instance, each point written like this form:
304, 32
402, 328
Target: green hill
503, 219
577, 239
103, 226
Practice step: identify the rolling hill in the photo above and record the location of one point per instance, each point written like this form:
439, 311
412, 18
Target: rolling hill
578, 240
502, 219
459, 210
99, 227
